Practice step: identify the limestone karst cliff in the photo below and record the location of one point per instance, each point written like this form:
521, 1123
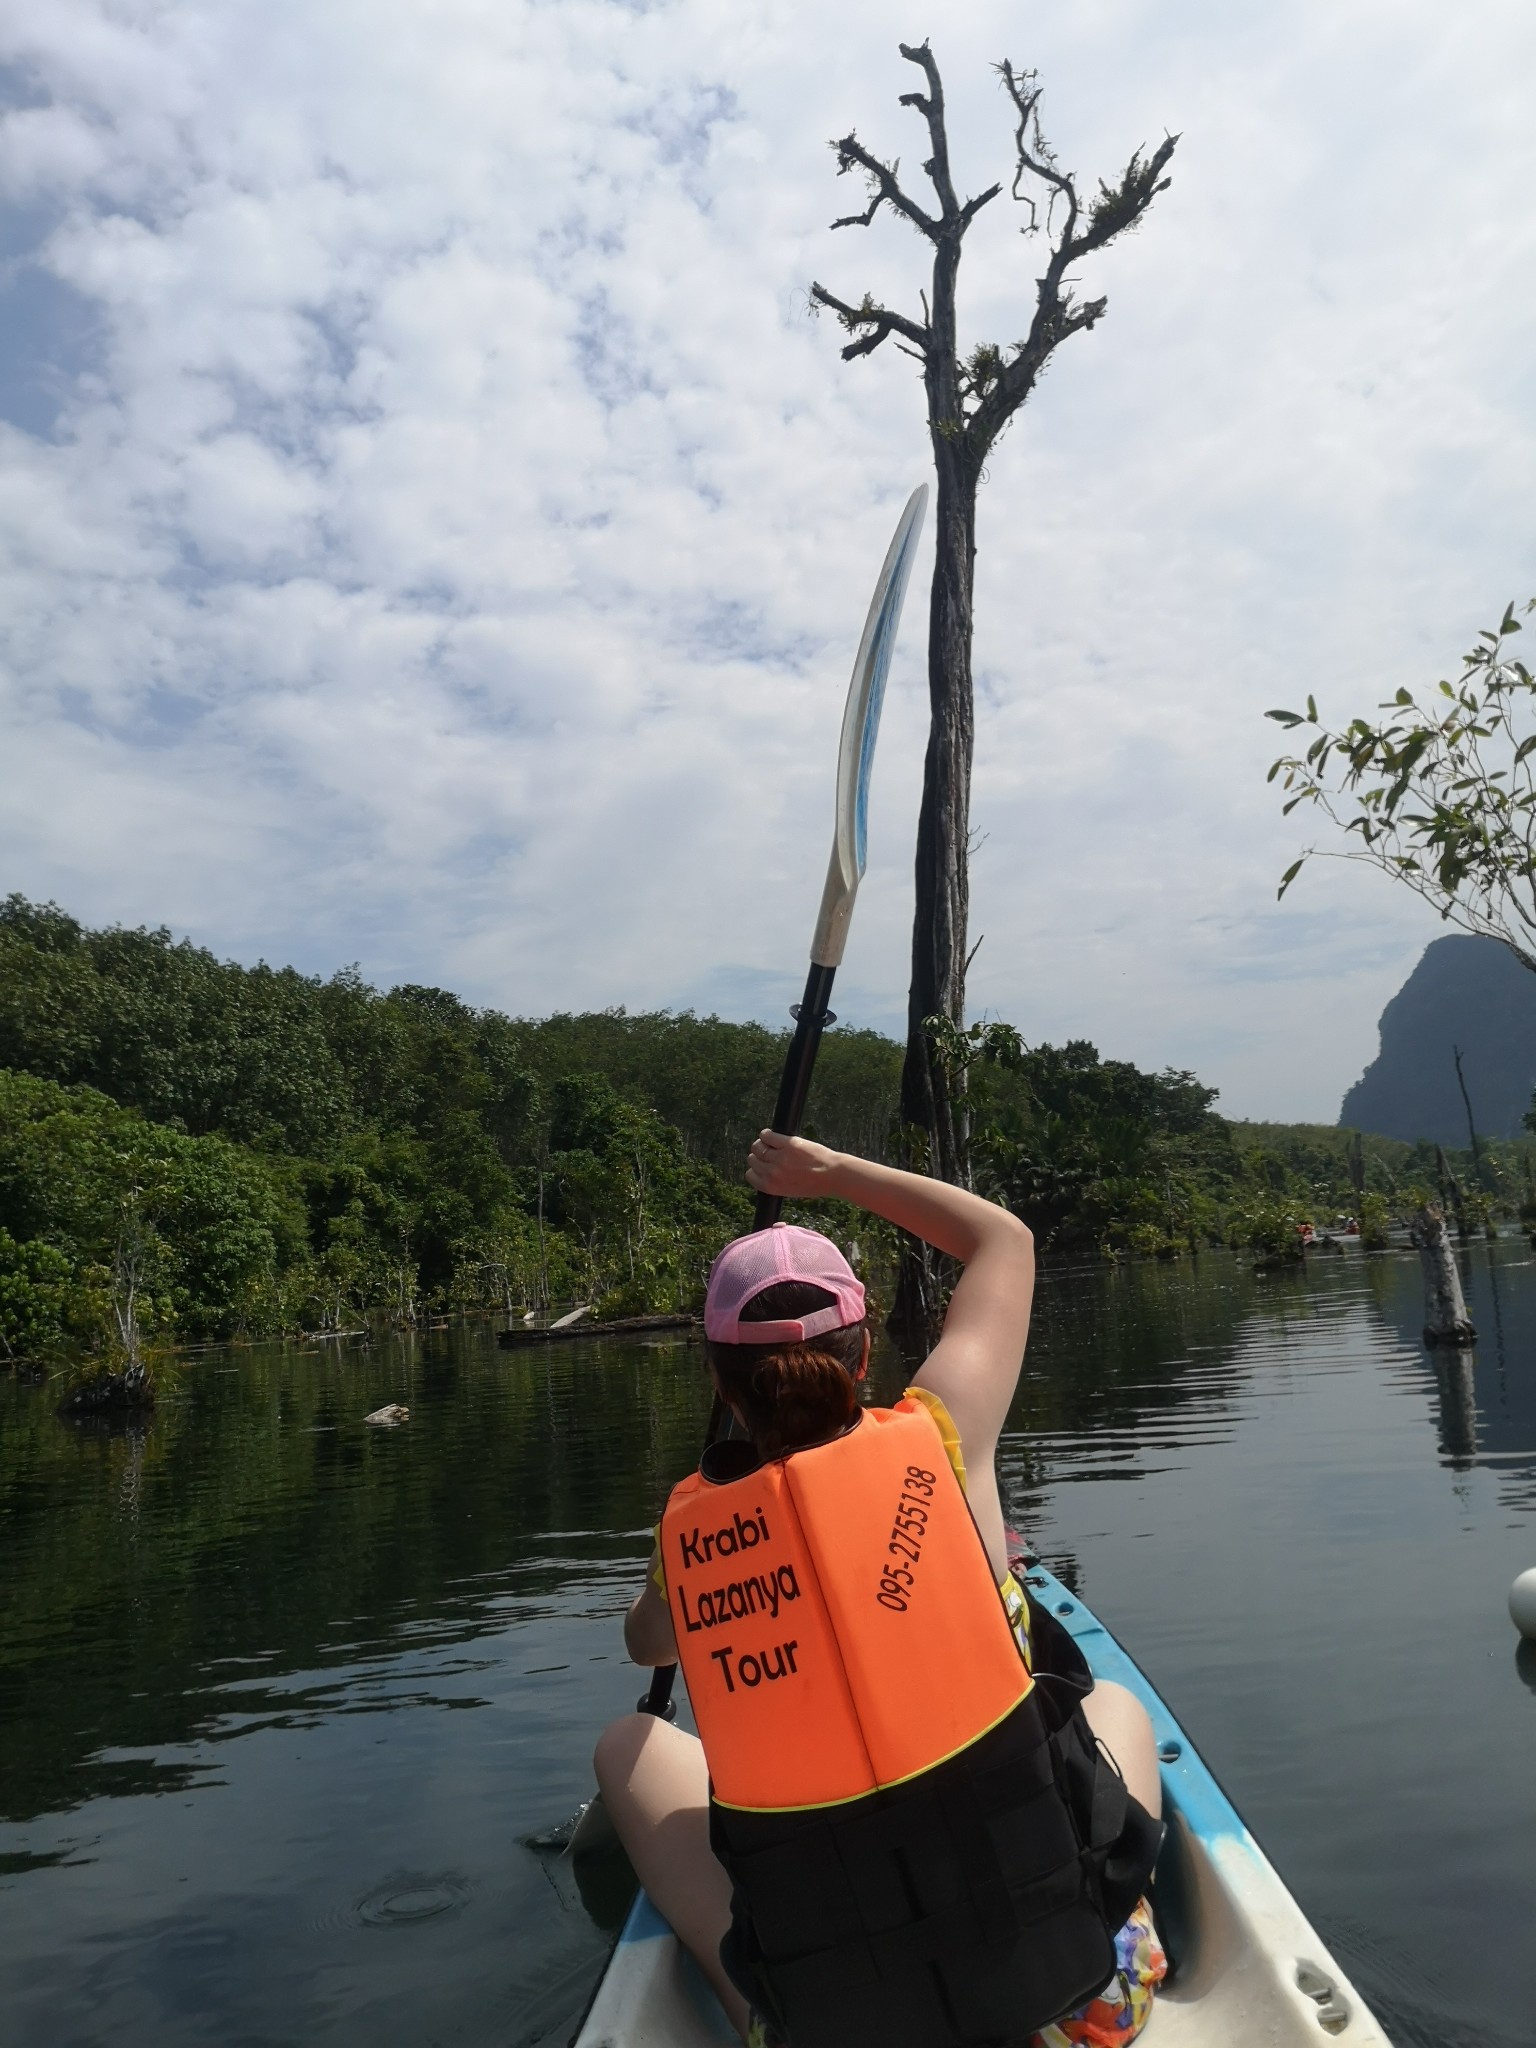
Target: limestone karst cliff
1468, 992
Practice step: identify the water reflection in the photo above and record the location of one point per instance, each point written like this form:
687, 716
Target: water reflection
245, 1559
287, 1705
1138, 1371
1458, 1406
1131, 1367
1321, 1608
1486, 1396
292, 1693
1127, 1367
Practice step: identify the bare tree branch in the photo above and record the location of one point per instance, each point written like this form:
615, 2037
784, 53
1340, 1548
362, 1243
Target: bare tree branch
883, 186
1033, 154
1056, 318
1116, 209
880, 320
1113, 211
931, 108
864, 219
972, 207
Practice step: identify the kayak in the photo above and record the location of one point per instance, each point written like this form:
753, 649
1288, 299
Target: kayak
1246, 1967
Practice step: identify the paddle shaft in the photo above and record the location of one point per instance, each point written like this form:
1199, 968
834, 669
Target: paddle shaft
811, 1018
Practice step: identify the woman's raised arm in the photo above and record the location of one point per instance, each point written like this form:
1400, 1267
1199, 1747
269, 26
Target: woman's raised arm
974, 1367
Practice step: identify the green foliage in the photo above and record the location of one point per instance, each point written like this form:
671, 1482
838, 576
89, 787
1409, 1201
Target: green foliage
1375, 1221
1268, 1225
716, 1082
168, 1030
648, 1218
191, 1224
1440, 795
1093, 1153
34, 1287
194, 1150
269, 1151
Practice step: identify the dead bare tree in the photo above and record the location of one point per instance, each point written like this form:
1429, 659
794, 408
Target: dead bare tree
970, 402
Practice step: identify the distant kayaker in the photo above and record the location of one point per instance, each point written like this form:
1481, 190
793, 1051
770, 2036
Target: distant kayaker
913, 1817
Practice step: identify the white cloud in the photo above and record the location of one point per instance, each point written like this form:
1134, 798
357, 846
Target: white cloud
451, 546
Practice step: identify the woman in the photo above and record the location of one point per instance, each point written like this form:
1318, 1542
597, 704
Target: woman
888, 1776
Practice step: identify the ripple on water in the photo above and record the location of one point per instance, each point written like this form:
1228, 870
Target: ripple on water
411, 1897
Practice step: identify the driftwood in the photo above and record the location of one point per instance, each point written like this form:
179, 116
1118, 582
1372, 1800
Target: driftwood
515, 1338
1445, 1310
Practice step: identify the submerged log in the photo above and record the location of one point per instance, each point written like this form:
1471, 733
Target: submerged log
622, 1326
1445, 1309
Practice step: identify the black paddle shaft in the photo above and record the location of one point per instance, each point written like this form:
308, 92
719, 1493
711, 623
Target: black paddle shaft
811, 1017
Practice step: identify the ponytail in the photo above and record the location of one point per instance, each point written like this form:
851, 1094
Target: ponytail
790, 1396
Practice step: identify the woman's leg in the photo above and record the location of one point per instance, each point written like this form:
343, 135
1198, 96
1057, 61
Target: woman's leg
1122, 1724
656, 1786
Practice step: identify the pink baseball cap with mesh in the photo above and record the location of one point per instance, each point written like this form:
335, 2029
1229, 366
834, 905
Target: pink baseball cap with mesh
784, 1252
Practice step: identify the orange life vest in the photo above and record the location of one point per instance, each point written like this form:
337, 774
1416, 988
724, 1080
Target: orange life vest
925, 1844
837, 1618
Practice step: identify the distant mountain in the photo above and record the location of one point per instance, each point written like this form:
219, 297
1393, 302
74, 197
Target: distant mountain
1468, 992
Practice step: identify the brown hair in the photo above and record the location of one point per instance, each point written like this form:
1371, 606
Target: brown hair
791, 1395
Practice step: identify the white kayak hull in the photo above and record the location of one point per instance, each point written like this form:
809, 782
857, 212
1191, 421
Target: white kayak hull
1249, 1969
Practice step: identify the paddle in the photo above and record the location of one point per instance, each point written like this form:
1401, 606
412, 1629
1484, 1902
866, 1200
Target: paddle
845, 870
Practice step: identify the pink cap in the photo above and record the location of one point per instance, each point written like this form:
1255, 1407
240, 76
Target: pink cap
784, 1252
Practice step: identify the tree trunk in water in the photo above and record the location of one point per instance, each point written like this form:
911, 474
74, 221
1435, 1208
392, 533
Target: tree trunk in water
1472, 1138
933, 1109
971, 397
1445, 1310
1450, 1192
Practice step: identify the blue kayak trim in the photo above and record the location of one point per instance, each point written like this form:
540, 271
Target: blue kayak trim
1187, 1779
644, 1922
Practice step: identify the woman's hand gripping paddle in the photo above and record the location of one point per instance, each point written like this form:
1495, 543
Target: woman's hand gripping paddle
845, 870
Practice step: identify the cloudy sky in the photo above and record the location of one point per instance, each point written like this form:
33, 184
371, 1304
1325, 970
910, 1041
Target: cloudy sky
435, 535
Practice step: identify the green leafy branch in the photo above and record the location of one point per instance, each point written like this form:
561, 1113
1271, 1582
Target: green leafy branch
1442, 796
958, 1051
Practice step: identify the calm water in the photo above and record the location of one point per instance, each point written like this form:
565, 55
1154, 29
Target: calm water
283, 1699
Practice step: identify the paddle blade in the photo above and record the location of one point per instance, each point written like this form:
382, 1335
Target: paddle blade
861, 724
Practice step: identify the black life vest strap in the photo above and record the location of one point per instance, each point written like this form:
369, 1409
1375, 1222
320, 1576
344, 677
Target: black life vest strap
969, 1906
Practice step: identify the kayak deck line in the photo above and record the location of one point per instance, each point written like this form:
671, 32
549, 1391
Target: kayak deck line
1246, 1967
